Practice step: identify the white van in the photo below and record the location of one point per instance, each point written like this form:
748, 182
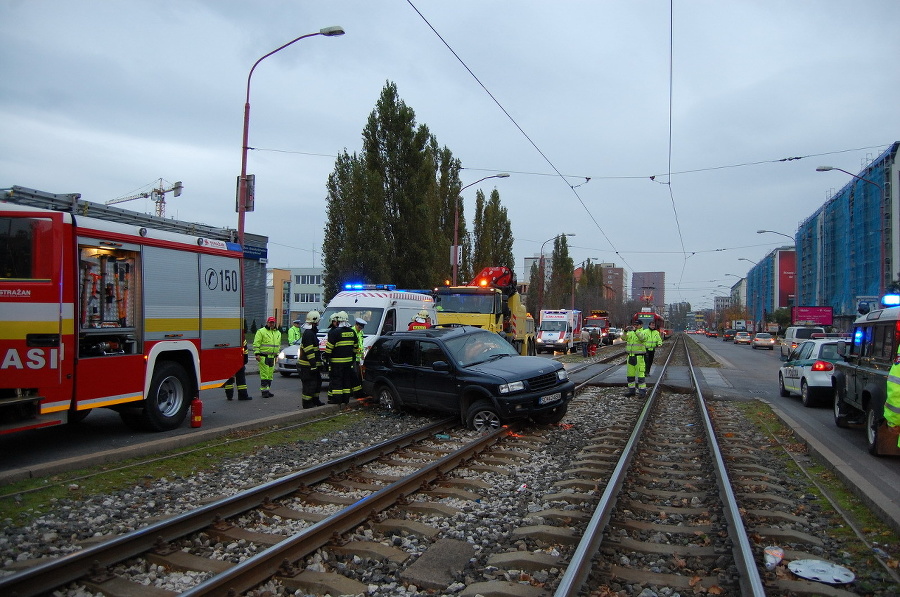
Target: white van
796, 334
383, 308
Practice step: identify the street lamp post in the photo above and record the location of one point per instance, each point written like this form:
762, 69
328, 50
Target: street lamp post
750, 260
543, 272
242, 181
880, 223
455, 259
781, 233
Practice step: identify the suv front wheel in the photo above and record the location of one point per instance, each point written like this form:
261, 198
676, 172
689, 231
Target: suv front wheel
482, 416
387, 399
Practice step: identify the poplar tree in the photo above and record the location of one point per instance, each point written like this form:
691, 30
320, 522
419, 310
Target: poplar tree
389, 209
561, 271
492, 243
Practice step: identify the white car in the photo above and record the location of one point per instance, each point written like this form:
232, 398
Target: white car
286, 361
808, 371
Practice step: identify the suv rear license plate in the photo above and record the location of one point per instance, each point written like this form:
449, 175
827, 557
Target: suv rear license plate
550, 398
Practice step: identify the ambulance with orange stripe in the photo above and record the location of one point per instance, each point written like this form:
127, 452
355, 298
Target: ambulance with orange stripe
102, 307
490, 301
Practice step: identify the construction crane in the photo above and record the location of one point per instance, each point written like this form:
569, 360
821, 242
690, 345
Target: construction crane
158, 195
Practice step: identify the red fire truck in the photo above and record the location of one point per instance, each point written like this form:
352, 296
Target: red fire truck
105, 308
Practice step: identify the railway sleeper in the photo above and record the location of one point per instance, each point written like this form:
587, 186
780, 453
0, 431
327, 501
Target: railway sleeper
120, 587
676, 581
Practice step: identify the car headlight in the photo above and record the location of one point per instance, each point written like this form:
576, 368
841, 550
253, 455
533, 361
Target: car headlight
516, 386
562, 375
540, 340
281, 355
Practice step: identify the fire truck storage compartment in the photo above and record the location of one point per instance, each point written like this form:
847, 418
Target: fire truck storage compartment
109, 289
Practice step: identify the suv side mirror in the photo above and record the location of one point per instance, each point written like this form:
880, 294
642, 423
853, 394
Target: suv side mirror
842, 348
441, 366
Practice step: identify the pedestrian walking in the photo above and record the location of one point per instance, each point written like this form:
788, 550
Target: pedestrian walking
340, 351
654, 340
309, 362
266, 345
635, 338
585, 341
240, 378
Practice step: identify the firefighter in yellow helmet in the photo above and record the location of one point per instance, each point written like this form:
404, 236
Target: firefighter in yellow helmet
422, 321
309, 362
340, 351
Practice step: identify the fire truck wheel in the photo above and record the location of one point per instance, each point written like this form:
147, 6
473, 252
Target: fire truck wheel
167, 402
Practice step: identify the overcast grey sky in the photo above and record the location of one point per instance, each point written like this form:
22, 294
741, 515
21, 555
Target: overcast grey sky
106, 97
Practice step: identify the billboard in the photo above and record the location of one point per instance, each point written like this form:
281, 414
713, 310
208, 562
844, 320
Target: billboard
812, 316
787, 262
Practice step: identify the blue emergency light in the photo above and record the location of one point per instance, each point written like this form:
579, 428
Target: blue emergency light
360, 286
890, 300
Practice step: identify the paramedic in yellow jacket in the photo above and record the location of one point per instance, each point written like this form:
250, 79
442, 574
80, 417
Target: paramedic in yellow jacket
635, 341
266, 345
892, 403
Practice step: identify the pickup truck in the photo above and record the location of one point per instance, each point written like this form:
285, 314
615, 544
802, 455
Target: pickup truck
860, 378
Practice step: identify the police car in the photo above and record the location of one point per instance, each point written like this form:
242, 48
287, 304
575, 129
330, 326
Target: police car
861, 374
808, 370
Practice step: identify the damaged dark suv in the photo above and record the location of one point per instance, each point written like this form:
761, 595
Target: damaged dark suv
466, 371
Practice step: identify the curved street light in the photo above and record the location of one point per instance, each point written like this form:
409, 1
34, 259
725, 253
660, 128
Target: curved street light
750, 260
455, 259
243, 198
781, 233
543, 276
881, 205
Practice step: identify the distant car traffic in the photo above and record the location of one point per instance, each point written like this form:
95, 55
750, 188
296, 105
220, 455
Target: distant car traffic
465, 371
712, 334
742, 338
728, 335
808, 372
763, 340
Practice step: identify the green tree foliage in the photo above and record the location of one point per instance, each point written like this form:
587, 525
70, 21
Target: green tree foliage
589, 289
390, 208
559, 288
535, 279
492, 242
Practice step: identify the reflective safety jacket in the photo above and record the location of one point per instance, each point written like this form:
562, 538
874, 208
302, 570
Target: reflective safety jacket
294, 333
267, 342
308, 355
892, 403
654, 339
340, 347
635, 341
360, 338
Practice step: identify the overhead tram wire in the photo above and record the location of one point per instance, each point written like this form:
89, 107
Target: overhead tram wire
516, 124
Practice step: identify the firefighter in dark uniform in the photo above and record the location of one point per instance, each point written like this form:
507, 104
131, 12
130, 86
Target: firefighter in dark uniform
340, 351
309, 362
241, 378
